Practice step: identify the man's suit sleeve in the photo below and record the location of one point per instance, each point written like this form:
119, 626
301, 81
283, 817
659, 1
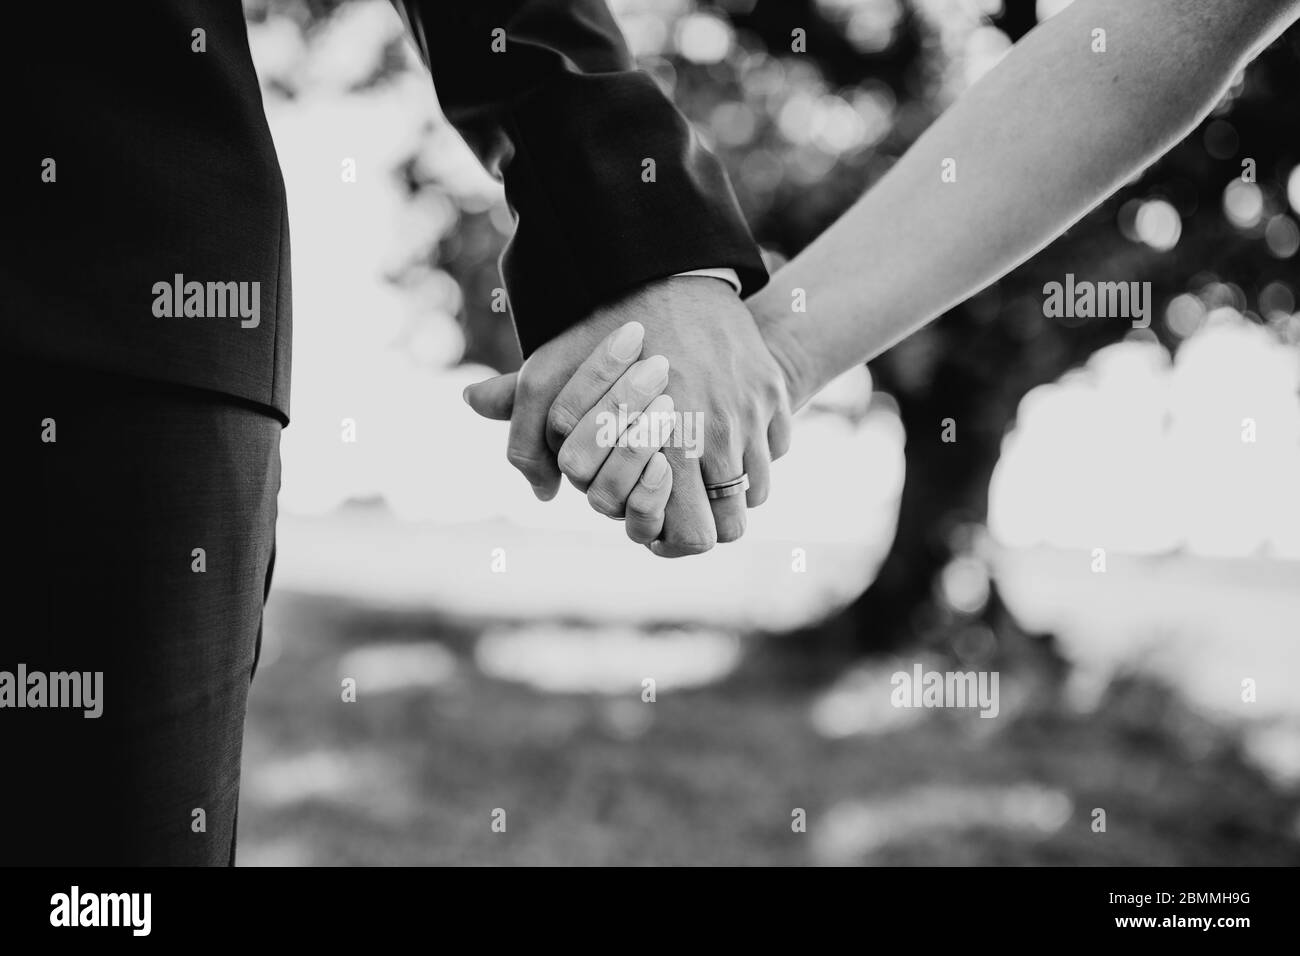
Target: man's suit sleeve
546, 94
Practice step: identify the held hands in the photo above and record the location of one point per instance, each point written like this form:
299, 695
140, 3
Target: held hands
584, 407
614, 418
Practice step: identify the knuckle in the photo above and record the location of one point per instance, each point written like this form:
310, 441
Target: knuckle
598, 378
694, 541
631, 458
696, 546
607, 368
779, 440
603, 502
524, 460
643, 528
721, 427
731, 531
642, 510
580, 477
561, 419
569, 461
718, 435
640, 535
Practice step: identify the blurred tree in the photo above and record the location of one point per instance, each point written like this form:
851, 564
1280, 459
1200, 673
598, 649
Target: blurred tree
984, 356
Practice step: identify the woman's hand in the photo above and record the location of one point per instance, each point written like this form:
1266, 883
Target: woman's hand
614, 418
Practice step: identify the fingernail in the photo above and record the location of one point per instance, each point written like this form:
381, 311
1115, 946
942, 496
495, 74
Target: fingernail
655, 471
464, 395
650, 374
626, 344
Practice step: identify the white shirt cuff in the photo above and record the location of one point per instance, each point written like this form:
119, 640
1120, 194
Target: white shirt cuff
726, 275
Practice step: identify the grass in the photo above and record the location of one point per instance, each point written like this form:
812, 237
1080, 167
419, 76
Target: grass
711, 776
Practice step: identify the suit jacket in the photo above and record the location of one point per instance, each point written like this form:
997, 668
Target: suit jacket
143, 195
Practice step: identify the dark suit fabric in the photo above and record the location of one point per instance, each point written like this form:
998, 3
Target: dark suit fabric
164, 165
104, 523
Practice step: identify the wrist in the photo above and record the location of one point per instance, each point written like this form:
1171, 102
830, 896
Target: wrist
781, 333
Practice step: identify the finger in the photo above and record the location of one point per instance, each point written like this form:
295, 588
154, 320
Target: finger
494, 398
648, 500
688, 520
779, 433
724, 460
593, 378
589, 444
622, 469
526, 446
758, 465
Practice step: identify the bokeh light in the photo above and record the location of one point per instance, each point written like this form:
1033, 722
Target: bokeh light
868, 24
1185, 314
1243, 204
1158, 225
1282, 236
702, 38
1276, 300
1126, 453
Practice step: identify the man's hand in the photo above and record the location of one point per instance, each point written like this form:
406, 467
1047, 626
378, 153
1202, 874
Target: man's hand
725, 383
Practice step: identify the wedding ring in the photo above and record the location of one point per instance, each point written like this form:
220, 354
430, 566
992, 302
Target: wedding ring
725, 489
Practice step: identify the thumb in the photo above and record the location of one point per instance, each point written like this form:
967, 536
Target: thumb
494, 398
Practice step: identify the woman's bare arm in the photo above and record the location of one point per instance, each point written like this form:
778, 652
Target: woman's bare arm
1043, 137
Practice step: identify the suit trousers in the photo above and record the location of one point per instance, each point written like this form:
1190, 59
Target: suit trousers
140, 543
